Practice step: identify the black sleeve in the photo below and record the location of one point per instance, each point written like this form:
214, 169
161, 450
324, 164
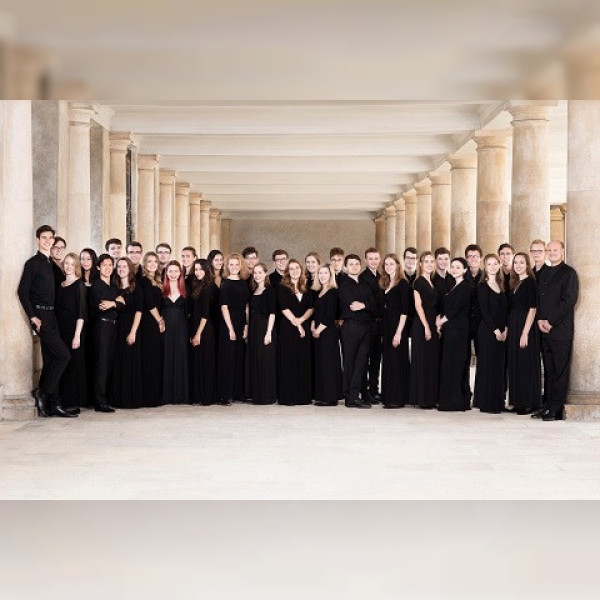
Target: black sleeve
370, 303
310, 302
138, 298
462, 298
484, 304
82, 311
25, 288
283, 297
568, 298
405, 294
271, 300
531, 292
224, 296
206, 301
147, 286
345, 296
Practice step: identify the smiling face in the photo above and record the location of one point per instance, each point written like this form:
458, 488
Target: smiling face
353, 267
295, 271
106, 268
114, 250
86, 261
312, 264
390, 266
337, 260
457, 269
234, 266
474, 259
151, 264
187, 258
164, 255
410, 262
46, 241
58, 250
492, 266
555, 252
373, 260
442, 262
69, 266
122, 269
281, 261
199, 272
520, 265
324, 276
538, 253
217, 263
506, 258
173, 273
258, 273
428, 264
251, 260
134, 254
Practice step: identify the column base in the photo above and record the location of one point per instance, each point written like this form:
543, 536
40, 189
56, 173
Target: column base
583, 406
16, 408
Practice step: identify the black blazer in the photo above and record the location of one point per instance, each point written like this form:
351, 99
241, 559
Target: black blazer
456, 307
558, 291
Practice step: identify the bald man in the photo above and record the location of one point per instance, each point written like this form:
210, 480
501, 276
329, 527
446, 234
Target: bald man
557, 295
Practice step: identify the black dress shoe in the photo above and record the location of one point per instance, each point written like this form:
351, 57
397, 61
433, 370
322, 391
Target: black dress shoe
376, 397
392, 406
73, 411
549, 416
523, 411
357, 405
56, 410
105, 408
325, 403
224, 402
41, 402
539, 413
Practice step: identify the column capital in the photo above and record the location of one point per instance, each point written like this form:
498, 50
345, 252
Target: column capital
410, 197
389, 212
195, 198
148, 162
121, 141
81, 113
214, 213
492, 138
530, 110
423, 187
205, 205
167, 176
463, 162
380, 218
182, 188
440, 178
399, 204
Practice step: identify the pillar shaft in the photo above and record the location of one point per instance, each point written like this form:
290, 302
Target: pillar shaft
400, 207
390, 229
16, 241
380, 234
194, 233
583, 224
463, 200
117, 209
410, 219
79, 227
214, 229
166, 206
492, 193
205, 227
225, 236
182, 217
441, 210
423, 215
530, 212
146, 222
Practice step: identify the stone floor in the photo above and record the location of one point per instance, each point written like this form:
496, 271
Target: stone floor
277, 452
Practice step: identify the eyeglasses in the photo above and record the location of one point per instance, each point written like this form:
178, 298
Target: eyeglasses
59, 247
282, 259
536, 251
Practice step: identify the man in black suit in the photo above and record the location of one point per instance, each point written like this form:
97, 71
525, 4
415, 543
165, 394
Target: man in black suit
57, 253
281, 259
557, 295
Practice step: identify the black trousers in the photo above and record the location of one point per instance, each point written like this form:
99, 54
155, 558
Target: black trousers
557, 362
371, 379
105, 340
55, 354
355, 344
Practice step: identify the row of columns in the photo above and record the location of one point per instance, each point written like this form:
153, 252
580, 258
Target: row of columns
469, 202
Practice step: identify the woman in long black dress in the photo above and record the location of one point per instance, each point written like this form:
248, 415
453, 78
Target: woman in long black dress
89, 261
296, 305
203, 375
215, 272
312, 263
524, 372
71, 311
152, 326
176, 385
489, 379
425, 351
328, 363
262, 339
395, 375
127, 385
453, 324
234, 298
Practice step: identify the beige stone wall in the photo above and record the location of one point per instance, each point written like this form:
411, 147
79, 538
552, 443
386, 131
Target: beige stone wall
301, 237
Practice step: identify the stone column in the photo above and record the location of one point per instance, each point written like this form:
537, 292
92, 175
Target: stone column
441, 211
463, 184
380, 234
182, 217
166, 207
205, 227
400, 225
194, 233
79, 226
225, 236
583, 224
146, 222
423, 215
492, 193
390, 229
410, 219
117, 206
17, 236
530, 214
558, 224
214, 232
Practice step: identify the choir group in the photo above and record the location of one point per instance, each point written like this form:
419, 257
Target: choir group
143, 330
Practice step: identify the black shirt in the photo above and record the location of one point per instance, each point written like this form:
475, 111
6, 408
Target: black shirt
443, 284
350, 291
410, 278
37, 285
474, 311
101, 291
59, 275
275, 278
372, 280
537, 274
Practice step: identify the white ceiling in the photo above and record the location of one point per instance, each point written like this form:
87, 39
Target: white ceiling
319, 159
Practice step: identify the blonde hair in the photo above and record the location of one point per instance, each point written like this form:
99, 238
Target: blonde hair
384, 281
155, 279
287, 280
421, 259
485, 277
244, 272
76, 261
253, 284
332, 285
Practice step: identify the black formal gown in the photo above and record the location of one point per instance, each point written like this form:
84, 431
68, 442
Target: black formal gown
89, 351
203, 373
127, 380
455, 351
261, 360
149, 338
395, 376
328, 362
175, 340
524, 371
70, 305
424, 372
489, 380
294, 351
235, 295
